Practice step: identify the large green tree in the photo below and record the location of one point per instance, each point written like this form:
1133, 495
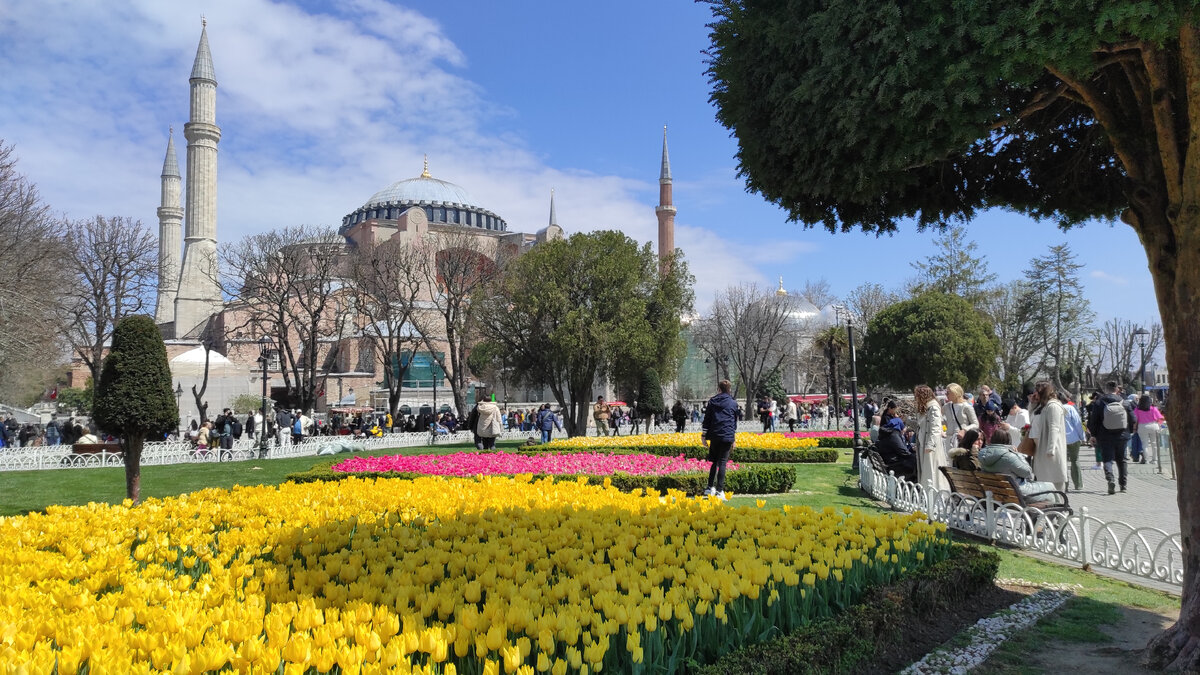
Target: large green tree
934, 339
574, 310
864, 115
134, 398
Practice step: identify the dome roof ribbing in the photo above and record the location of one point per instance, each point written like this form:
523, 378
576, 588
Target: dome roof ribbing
422, 189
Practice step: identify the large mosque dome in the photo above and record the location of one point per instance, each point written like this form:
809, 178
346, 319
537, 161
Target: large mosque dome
444, 203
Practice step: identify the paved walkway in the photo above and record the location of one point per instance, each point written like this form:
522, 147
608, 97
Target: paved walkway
1150, 501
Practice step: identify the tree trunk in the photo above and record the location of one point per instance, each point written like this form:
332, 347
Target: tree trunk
133, 467
1176, 272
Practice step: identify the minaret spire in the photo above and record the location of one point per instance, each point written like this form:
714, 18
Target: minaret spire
170, 222
665, 174
553, 217
665, 211
199, 295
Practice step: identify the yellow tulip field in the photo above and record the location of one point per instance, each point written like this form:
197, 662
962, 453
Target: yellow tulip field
432, 575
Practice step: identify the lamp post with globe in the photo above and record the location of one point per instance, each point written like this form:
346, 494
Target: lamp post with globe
264, 357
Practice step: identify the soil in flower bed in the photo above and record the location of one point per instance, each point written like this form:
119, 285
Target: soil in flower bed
922, 634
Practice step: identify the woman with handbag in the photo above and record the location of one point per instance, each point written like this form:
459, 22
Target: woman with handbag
1047, 440
959, 415
931, 450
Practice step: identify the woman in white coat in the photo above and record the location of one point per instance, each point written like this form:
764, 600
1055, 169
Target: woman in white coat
959, 416
1048, 429
931, 449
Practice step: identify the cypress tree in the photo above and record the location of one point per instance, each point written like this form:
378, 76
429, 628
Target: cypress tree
134, 397
650, 400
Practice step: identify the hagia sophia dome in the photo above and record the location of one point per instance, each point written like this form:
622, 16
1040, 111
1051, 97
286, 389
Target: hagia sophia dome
444, 203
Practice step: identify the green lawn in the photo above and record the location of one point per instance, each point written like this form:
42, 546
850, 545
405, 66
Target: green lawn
25, 491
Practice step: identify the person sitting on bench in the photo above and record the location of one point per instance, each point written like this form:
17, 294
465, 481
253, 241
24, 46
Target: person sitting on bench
891, 446
1000, 457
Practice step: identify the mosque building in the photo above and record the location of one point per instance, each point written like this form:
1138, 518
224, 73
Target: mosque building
189, 298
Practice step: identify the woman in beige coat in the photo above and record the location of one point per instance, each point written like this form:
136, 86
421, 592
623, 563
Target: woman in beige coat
1048, 429
931, 449
959, 416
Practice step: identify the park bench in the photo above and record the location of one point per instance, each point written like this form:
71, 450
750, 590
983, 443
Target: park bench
94, 448
876, 460
1004, 490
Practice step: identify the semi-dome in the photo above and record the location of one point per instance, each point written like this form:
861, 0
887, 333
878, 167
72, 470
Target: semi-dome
443, 202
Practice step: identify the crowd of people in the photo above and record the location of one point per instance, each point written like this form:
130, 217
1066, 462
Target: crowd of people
1037, 440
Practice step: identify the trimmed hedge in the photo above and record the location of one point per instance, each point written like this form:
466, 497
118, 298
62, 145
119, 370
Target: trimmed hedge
749, 479
843, 643
740, 455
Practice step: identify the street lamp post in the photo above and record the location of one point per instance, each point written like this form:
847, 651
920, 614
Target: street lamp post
179, 402
264, 355
853, 385
1141, 335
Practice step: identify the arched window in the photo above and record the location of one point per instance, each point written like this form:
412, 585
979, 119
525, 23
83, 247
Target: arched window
429, 213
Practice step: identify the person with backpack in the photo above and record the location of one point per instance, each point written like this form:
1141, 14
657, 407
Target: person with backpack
1110, 422
235, 426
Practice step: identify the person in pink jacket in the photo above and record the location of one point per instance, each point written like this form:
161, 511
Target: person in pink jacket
1148, 419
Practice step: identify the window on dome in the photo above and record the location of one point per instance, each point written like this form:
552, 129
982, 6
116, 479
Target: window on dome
429, 213
441, 214
453, 213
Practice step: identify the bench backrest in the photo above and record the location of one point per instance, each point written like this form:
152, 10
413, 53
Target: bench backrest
978, 483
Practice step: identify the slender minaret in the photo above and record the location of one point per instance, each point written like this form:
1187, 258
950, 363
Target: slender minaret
553, 218
170, 222
199, 295
665, 211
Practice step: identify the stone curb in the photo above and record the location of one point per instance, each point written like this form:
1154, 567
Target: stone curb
989, 633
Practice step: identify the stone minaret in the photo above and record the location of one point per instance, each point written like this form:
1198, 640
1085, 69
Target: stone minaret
170, 222
665, 211
199, 294
553, 218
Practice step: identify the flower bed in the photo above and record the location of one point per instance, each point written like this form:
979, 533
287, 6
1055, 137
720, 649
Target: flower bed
830, 439
744, 441
429, 575
749, 447
467, 464
748, 479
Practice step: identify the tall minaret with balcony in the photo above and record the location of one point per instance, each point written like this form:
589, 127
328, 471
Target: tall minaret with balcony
199, 295
170, 224
665, 212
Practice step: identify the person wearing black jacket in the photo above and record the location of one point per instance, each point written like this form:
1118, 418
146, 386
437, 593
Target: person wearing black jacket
892, 448
718, 432
1111, 441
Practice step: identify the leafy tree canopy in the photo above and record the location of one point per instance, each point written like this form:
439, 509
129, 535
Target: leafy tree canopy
933, 339
850, 113
572, 310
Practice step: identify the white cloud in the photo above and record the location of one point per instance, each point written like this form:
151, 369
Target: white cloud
1109, 278
318, 111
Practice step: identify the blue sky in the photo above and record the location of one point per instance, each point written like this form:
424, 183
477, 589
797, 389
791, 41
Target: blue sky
323, 104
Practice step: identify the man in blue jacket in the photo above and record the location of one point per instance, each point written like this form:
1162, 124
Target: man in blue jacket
718, 433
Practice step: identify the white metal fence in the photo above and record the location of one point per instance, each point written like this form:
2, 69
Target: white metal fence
182, 452
1078, 538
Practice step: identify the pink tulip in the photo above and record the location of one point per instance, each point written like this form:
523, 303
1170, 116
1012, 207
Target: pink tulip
506, 463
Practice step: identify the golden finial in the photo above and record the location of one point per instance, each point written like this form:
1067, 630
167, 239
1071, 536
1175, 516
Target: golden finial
203, 21
171, 130
425, 172
781, 292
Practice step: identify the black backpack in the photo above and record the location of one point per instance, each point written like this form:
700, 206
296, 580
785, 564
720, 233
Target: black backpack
236, 428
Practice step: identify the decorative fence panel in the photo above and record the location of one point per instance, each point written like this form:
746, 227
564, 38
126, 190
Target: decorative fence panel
1078, 538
